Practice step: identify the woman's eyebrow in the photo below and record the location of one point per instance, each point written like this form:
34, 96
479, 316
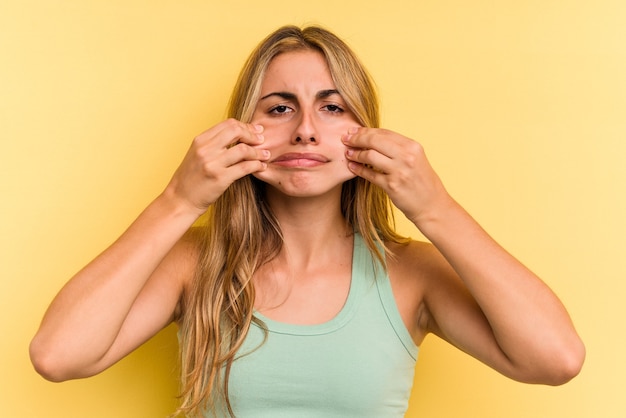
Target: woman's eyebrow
282, 94
322, 94
326, 93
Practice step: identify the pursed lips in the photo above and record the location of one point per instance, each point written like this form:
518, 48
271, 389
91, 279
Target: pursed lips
297, 159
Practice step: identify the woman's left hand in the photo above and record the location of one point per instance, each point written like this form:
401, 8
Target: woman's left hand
399, 166
476, 291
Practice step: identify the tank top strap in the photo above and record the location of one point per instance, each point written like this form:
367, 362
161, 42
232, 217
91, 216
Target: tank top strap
371, 268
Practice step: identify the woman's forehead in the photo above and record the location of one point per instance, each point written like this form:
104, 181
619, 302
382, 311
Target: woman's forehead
295, 69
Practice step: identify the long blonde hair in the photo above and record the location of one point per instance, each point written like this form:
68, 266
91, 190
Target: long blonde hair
241, 232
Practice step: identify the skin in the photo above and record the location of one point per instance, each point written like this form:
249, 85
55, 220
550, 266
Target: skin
303, 125
304, 143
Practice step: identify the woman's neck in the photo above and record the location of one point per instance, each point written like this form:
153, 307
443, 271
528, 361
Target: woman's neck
312, 227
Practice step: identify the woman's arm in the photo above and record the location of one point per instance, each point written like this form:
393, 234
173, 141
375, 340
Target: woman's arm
118, 301
477, 295
131, 290
487, 303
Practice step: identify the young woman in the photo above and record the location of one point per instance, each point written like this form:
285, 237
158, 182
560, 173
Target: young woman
297, 298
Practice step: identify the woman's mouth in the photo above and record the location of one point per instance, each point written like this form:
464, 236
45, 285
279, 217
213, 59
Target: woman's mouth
297, 159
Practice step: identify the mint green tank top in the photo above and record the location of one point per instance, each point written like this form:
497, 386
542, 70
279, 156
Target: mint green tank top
359, 364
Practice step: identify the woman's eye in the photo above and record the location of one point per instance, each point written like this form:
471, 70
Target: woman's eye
280, 109
334, 108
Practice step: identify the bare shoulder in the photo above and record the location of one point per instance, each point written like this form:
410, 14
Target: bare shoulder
413, 269
419, 262
181, 263
189, 245
413, 254
183, 257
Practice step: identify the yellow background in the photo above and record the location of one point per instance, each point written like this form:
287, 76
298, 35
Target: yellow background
521, 106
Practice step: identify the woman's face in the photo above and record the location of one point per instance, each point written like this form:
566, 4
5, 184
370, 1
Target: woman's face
304, 117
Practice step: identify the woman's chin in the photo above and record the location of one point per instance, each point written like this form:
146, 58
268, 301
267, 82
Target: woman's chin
302, 183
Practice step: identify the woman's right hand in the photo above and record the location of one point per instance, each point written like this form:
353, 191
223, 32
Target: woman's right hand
133, 289
216, 158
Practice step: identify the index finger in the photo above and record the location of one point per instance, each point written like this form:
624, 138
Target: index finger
377, 139
231, 132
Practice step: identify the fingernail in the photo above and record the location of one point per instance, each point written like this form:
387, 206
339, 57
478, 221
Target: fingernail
261, 137
266, 153
349, 152
258, 128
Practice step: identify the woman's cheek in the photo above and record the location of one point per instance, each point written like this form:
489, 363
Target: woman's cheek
263, 176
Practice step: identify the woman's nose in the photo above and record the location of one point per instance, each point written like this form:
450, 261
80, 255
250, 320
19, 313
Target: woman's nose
305, 132
310, 140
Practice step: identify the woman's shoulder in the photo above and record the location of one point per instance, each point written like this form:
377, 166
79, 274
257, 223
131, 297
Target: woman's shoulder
182, 262
412, 254
187, 252
192, 239
416, 264
410, 265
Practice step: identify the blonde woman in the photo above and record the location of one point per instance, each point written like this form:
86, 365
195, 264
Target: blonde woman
298, 299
